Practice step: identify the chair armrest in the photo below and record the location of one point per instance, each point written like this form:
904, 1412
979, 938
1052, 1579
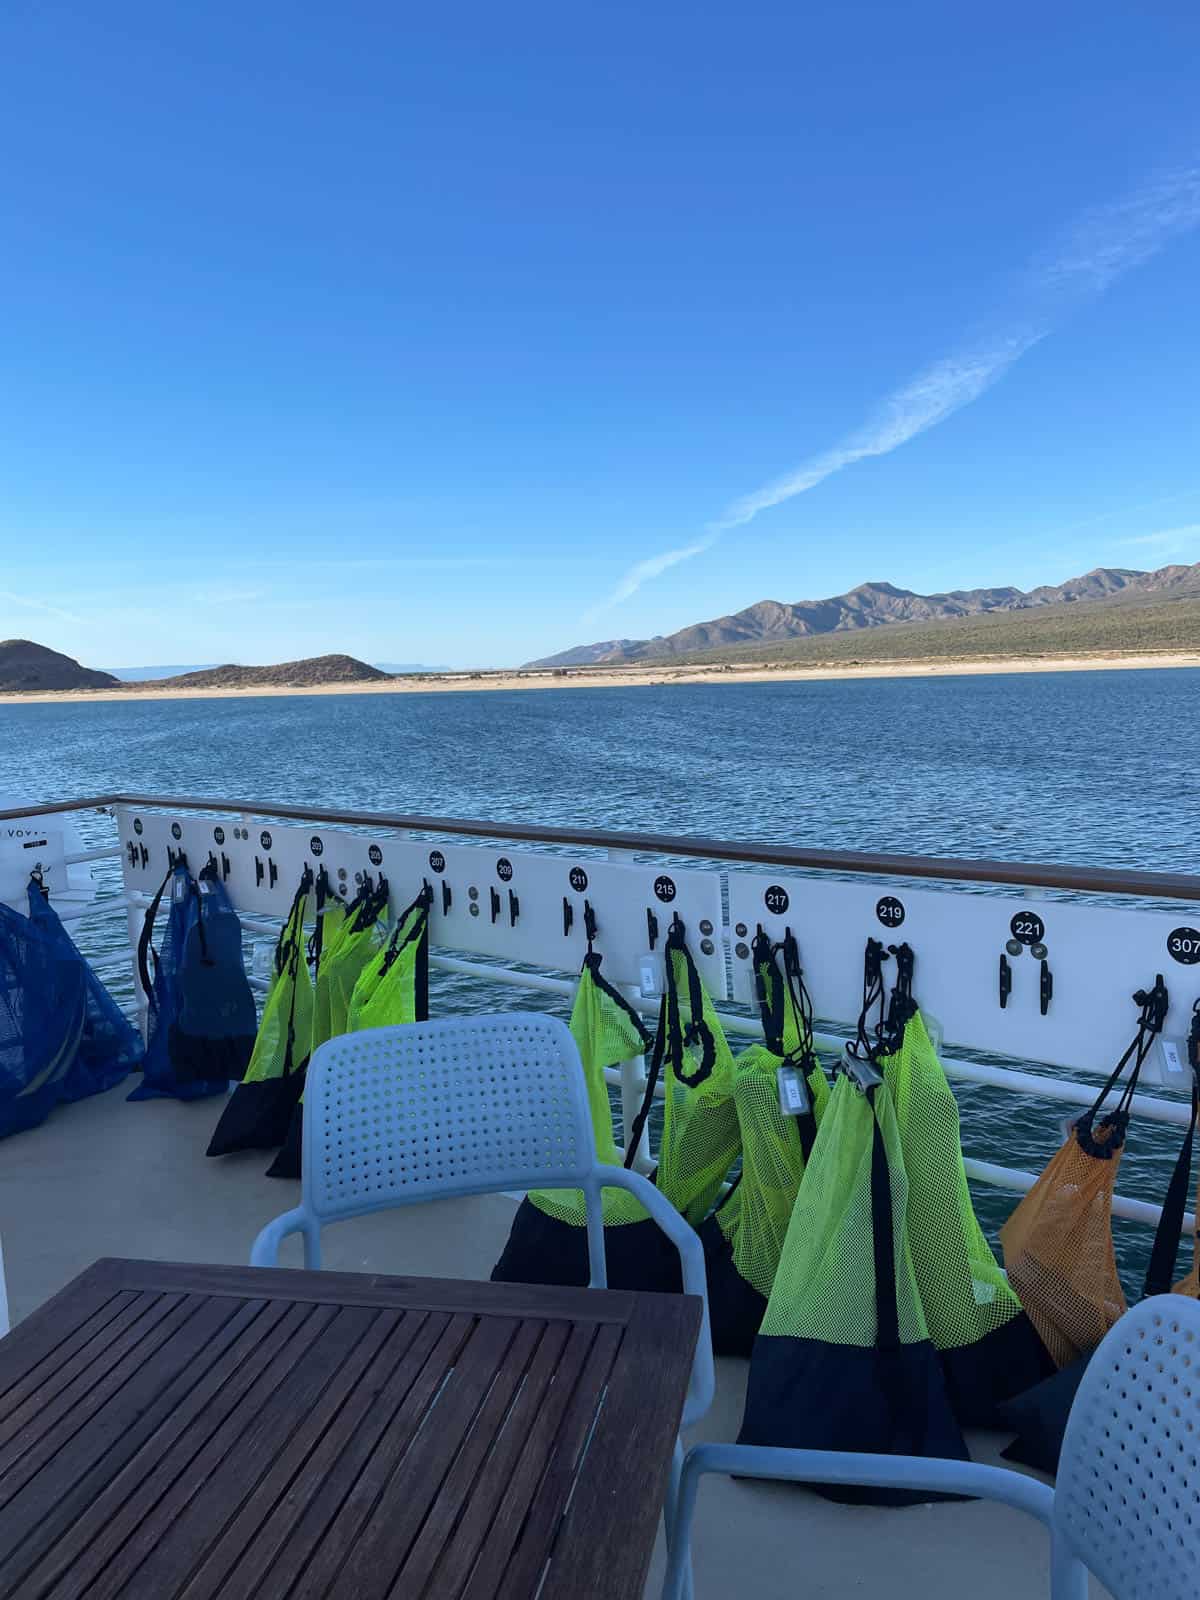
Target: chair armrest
886, 1472
264, 1252
695, 1280
840, 1466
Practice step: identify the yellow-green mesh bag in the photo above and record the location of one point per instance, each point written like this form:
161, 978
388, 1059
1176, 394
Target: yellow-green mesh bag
399, 990
333, 919
258, 1112
548, 1239
393, 987
744, 1238
360, 942
989, 1348
843, 1360
700, 1139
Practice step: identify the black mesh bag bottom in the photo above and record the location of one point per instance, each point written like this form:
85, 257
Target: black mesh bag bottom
808, 1395
1004, 1363
735, 1307
289, 1159
257, 1115
542, 1249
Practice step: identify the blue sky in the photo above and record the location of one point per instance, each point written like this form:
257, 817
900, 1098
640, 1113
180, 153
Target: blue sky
432, 334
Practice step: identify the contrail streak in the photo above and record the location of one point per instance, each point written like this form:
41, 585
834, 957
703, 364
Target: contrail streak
1086, 258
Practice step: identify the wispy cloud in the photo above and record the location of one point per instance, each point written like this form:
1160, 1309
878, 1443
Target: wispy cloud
642, 571
1084, 260
1167, 541
30, 602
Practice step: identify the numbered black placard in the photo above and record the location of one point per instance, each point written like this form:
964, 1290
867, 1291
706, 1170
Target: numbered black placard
664, 888
316, 846
137, 824
579, 879
890, 911
374, 855
776, 900
264, 839
1028, 928
437, 861
219, 835
504, 869
1183, 945
176, 831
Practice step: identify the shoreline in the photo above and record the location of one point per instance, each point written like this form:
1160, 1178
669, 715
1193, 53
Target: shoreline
632, 677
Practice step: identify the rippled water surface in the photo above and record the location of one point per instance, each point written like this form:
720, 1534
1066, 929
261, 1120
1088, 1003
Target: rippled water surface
1098, 768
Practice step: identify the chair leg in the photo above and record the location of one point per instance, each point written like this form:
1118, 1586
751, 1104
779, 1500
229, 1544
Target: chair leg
312, 1246
1068, 1577
679, 1564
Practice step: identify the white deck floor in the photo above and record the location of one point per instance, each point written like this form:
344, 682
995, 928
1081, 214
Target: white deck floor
107, 1178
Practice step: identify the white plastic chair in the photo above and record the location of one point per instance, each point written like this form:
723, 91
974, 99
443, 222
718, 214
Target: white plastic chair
1127, 1502
468, 1105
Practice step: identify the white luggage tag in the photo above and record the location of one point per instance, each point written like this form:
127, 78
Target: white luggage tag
648, 981
793, 1092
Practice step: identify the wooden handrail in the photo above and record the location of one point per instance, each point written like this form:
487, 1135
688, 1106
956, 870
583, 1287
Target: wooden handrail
1024, 874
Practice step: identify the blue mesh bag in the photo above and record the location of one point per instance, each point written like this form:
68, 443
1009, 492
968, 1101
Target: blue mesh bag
109, 1047
42, 1009
161, 1078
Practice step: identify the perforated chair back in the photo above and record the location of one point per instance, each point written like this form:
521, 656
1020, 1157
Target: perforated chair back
1127, 1496
455, 1107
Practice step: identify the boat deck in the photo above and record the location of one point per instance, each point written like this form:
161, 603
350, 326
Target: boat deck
106, 1178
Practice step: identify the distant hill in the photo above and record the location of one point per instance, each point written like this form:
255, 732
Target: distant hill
772, 623
311, 673
25, 665
153, 674
395, 669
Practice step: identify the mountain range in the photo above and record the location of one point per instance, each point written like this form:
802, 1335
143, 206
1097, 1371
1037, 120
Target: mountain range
875, 605
26, 666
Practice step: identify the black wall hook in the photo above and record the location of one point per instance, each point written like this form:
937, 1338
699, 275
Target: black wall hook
1005, 980
446, 898
514, 909
568, 917
1045, 987
651, 926
494, 896
589, 921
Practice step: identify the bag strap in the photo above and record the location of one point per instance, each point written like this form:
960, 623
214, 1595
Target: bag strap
1152, 1004
887, 1315
697, 1031
653, 1073
672, 1040
902, 1008
145, 949
591, 962
768, 990
290, 951
868, 1042
796, 996
1160, 1274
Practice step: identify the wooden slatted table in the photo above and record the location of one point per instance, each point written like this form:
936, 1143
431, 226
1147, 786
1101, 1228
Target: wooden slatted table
187, 1432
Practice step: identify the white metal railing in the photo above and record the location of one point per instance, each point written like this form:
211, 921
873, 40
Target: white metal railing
629, 1078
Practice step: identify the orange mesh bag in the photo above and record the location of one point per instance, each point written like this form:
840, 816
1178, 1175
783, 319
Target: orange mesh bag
1058, 1245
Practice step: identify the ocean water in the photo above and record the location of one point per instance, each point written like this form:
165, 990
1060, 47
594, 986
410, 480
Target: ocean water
1096, 768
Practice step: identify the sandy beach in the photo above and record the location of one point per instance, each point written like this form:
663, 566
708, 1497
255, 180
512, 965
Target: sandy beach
636, 677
